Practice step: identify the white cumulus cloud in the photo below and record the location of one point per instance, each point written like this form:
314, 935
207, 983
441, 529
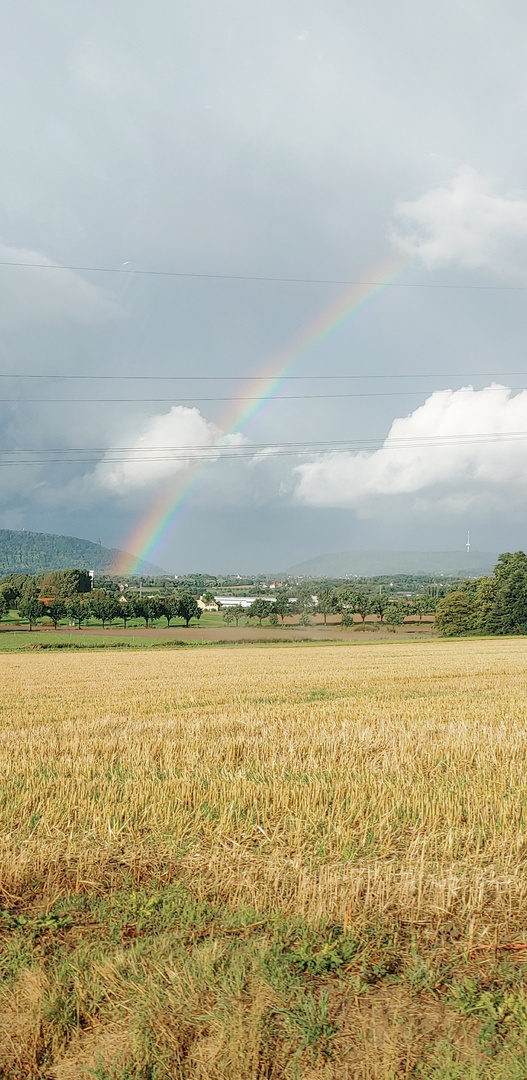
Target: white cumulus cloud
464, 221
448, 451
169, 446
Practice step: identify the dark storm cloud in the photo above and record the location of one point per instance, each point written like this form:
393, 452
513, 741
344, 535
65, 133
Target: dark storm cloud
264, 139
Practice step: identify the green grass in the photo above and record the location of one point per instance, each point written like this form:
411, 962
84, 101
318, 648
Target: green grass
258, 995
55, 640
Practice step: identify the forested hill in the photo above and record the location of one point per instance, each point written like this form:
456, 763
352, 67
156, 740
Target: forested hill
375, 563
36, 553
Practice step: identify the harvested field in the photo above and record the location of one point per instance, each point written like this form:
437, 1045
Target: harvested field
265, 863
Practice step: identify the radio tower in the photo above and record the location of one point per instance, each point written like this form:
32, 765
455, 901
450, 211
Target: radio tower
468, 543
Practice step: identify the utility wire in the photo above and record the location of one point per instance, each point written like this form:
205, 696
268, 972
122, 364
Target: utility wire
289, 378
262, 277
283, 397
215, 453
380, 440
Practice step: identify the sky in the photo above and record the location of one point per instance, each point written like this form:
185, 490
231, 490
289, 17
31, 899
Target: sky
223, 169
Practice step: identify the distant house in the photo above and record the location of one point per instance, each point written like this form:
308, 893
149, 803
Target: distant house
208, 605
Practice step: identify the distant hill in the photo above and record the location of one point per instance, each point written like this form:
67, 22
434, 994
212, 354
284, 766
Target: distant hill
36, 553
377, 563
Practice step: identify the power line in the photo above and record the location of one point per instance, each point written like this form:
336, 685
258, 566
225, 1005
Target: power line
289, 378
284, 397
186, 446
261, 277
220, 453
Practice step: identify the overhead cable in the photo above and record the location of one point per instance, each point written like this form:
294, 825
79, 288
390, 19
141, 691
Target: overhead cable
257, 397
221, 452
288, 378
260, 277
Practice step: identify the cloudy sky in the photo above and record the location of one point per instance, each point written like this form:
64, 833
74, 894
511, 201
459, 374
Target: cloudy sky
230, 143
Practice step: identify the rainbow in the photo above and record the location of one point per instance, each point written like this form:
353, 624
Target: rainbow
154, 527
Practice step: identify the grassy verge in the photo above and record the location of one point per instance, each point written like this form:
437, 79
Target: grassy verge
57, 642
154, 983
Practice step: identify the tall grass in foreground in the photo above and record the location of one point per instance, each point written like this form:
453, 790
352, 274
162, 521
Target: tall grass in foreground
264, 864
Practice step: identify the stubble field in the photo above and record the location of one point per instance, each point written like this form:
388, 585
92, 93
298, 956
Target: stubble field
265, 863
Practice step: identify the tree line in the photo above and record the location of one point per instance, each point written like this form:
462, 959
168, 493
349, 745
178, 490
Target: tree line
345, 601
489, 605
67, 594
62, 595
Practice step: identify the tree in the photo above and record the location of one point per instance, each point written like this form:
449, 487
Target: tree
31, 608
65, 583
327, 602
273, 619
48, 585
237, 611
379, 604
141, 611
154, 605
188, 608
149, 608
56, 611
485, 601
362, 605
347, 619
508, 614
12, 585
4, 606
282, 606
259, 609
9, 594
227, 616
404, 607
454, 614
346, 603
126, 610
394, 616
76, 610
422, 605
169, 609
304, 601
30, 590
104, 609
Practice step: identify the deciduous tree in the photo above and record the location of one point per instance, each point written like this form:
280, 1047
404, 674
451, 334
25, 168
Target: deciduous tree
379, 604
362, 605
76, 610
454, 613
56, 610
105, 609
188, 608
127, 610
394, 616
259, 609
237, 611
31, 608
508, 614
282, 607
169, 609
327, 602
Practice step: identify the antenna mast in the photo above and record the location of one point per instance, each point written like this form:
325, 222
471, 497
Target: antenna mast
468, 543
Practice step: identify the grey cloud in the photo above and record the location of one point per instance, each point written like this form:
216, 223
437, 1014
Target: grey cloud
252, 139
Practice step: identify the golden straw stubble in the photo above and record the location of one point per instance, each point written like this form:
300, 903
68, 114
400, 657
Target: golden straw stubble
378, 780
